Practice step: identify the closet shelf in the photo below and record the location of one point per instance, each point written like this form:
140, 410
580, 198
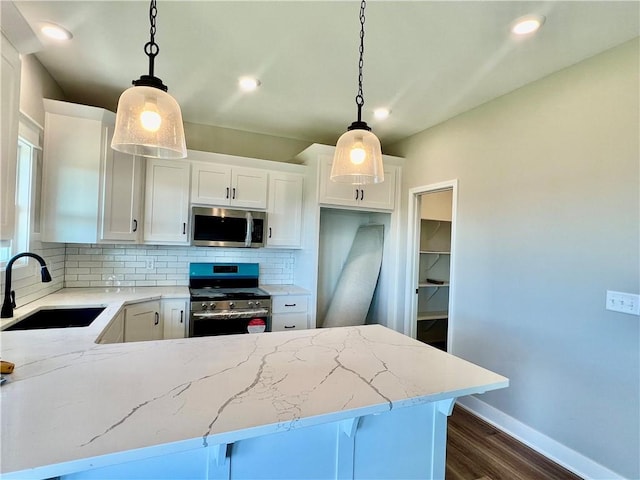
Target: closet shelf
435, 252
440, 315
430, 285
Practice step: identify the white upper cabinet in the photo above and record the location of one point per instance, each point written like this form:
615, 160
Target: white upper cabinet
221, 185
284, 215
10, 83
377, 196
90, 193
166, 202
122, 217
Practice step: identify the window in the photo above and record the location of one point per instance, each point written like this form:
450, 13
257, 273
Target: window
27, 201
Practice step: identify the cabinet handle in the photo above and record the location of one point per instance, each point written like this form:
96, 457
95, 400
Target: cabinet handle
269, 232
181, 316
157, 321
227, 193
356, 194
290, 304
361, 194
289, 326
233, 196
135, 225
184, 228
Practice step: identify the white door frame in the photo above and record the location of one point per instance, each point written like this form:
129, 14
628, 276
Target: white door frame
413, 245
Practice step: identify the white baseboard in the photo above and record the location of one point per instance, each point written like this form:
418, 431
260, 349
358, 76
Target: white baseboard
550, 448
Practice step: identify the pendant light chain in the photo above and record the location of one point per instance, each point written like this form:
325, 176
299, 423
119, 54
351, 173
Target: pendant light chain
151, 48
360, 95
148, 119
358, 157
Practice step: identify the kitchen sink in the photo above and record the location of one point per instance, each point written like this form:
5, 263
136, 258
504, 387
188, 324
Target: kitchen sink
58, 318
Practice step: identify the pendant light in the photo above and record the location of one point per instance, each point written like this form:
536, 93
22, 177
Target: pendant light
148, 119
358, 156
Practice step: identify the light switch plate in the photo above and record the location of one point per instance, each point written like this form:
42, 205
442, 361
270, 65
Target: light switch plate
623, 302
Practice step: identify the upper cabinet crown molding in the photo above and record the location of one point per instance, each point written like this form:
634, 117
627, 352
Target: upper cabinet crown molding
238, 161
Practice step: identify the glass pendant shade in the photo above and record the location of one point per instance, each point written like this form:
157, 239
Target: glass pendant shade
358, 158
149, 124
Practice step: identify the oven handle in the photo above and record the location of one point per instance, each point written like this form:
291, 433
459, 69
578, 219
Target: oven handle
249, 236
227, 314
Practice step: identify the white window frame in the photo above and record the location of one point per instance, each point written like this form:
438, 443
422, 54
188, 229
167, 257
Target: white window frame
28, 170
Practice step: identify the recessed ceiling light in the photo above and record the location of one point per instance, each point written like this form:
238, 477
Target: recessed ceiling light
248, 84
527, 24
56, 32
381, 113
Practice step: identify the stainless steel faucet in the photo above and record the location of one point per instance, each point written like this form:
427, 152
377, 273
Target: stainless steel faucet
9, 302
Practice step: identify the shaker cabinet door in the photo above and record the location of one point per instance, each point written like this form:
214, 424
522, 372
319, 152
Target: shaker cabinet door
284, 216
122, 219
142, 322
166, 202
210, 184
174, 317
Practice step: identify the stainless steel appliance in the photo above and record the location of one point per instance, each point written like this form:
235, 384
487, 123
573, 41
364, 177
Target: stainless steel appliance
225, 299
223, 227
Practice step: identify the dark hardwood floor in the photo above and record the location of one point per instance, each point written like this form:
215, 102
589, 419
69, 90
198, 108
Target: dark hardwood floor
478, 451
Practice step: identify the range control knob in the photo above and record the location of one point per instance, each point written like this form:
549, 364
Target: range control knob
257, 303
204, 306
249, 304
232, 305
212, 306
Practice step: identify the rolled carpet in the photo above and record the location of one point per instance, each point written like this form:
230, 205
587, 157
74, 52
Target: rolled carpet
357, 282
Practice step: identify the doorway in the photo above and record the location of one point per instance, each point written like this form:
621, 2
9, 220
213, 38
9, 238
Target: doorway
430, 263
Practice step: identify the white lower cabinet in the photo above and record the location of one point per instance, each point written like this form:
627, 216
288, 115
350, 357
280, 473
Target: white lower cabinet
142, 321
289, 312
114, 333
174, 317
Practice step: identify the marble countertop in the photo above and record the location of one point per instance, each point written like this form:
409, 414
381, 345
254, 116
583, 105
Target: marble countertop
72, 404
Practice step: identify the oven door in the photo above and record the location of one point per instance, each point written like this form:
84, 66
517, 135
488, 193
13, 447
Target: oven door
206, 324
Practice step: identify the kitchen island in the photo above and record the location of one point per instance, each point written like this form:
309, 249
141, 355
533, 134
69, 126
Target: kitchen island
350, 402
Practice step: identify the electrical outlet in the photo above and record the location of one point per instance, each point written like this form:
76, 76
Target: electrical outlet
623, 302
149, 264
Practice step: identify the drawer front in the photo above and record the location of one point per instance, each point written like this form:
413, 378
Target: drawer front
289, 303
289, 322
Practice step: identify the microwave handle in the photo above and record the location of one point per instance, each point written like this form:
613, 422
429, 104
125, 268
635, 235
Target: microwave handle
249, 236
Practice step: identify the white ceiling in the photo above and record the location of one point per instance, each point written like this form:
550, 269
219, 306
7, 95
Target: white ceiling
426, 60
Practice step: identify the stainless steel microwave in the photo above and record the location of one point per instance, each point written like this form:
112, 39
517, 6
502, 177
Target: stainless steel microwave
223, 227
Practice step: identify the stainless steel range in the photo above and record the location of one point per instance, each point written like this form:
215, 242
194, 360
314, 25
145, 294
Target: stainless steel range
225, 299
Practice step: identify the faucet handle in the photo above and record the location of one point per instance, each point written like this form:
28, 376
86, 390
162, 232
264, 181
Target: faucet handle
13, 298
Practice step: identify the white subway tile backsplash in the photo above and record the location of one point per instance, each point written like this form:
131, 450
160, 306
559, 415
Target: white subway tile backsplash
31, 287
125, 266
135, 276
